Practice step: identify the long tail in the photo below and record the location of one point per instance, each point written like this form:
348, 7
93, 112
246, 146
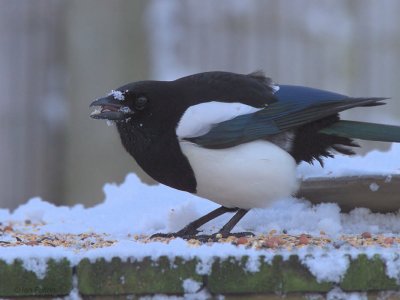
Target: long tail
364, 131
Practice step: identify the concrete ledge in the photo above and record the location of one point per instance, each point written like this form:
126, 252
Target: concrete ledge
230, 276
227, 277
135, 277
15, 280
296, 278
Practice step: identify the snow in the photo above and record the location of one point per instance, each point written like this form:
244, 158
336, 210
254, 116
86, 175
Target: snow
337, 294
125, 109
117, 95
191, 286
134, 209
253, 264
74, 294
320, 265
37, 265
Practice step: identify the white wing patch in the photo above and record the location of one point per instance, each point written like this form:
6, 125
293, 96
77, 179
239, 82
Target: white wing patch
198, 119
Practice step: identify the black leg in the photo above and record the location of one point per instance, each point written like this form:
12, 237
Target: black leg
226, 230
232, 222
191, 229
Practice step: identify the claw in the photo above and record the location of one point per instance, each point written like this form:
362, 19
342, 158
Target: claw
179, 234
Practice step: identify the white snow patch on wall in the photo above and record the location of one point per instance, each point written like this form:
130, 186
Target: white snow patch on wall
204, 266
38, 265
326, 266
253, 264
191, 286
74, 294
392, 262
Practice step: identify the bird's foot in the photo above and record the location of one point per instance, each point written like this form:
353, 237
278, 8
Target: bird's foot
215, 237
188, 234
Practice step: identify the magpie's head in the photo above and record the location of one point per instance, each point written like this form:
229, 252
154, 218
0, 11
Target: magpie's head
129, 101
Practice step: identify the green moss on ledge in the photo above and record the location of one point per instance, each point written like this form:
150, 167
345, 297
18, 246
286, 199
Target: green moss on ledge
367, 275
230, 276
135, 277
15, 280
297, 278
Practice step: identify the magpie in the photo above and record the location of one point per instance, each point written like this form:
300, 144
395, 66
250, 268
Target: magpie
234, 139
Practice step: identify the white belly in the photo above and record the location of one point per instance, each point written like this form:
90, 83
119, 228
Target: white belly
245, 176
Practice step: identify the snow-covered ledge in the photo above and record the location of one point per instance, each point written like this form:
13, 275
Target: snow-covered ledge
299, 246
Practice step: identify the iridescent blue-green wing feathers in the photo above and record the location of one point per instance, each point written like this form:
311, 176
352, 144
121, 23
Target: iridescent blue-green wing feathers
296, 106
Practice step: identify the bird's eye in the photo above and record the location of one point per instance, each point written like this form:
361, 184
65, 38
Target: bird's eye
140, 103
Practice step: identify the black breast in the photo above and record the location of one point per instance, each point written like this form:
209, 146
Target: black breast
159, 155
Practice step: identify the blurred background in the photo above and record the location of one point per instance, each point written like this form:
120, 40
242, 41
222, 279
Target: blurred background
56, 56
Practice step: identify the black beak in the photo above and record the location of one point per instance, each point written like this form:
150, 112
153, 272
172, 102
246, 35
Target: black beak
110, 109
